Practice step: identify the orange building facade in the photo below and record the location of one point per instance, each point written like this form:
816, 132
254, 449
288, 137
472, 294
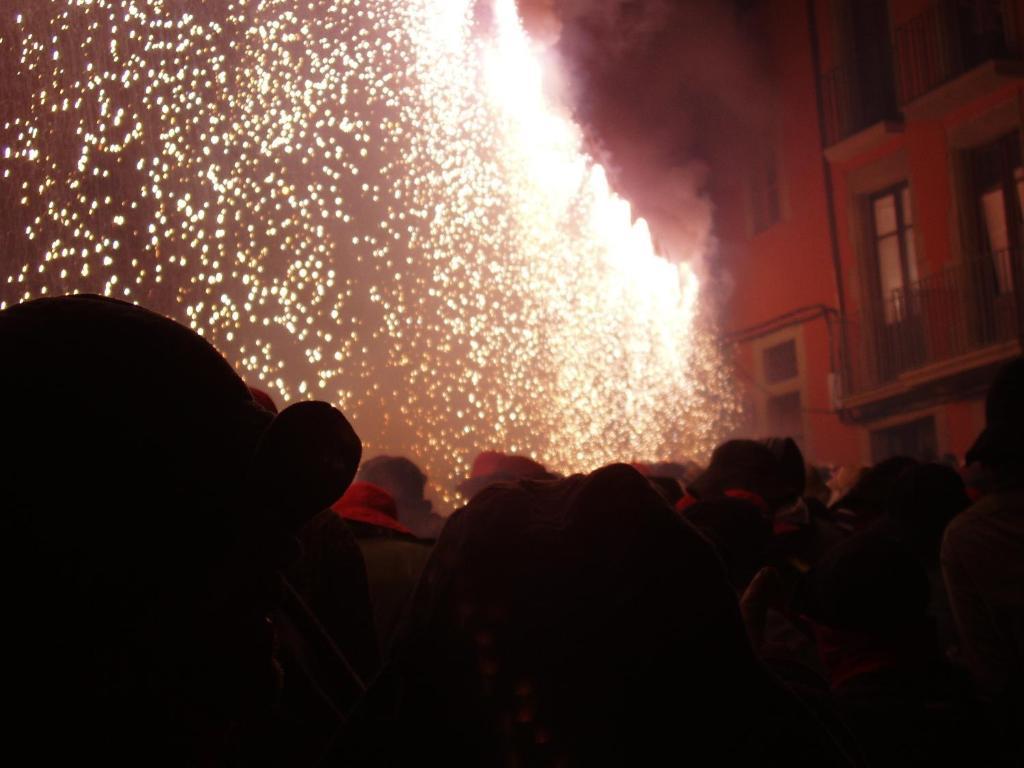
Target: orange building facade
872, 231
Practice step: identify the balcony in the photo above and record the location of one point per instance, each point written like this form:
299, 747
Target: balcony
949, 40
961, 318
858, 96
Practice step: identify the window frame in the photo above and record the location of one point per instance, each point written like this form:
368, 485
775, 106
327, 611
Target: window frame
1007, 179
903, 233
766, 390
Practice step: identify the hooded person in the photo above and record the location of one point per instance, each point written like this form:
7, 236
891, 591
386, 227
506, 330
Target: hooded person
329, 594
739, 532
148, 505
769, 475
582, 622
982, 552
923, 501
406, 483
490, 467
865, 502
263, 399
791, 462
749, 470
869, 603
394, 556
665, 477
370, 509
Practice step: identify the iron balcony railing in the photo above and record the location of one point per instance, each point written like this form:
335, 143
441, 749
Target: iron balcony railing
949, 38
858, 94
963, 308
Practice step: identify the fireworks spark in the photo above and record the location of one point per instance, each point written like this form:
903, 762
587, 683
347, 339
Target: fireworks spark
372, 203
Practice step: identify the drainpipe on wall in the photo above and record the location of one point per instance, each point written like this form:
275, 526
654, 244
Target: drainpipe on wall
833, 232
1016, 267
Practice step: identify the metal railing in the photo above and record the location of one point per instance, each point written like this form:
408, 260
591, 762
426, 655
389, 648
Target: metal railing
949, 38
857, 94
963, 308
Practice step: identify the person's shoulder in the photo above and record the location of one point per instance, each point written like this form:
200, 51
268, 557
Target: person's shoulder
963, 526
989, 513
996, 504
988, 505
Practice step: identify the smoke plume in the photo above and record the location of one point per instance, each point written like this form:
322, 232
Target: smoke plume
658, 86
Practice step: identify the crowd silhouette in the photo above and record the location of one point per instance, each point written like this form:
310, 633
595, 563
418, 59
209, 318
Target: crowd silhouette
195, 578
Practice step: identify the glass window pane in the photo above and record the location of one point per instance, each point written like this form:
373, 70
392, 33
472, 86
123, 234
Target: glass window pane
885, 214
891, 274
1018, 175
907, 209
908, 246
994, 213
780, 363
1004, 271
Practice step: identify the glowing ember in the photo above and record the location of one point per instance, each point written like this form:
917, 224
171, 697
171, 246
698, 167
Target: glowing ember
372, 203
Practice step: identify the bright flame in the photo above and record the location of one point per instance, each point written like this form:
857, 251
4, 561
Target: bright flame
373, 203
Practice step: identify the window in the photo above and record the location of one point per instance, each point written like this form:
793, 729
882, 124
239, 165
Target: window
998, 183
869, 58
982, 25
783, 412
785, 417
780, 362
916, 439
765, 209
893, 231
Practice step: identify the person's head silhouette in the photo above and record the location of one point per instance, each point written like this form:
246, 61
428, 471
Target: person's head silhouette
147, 503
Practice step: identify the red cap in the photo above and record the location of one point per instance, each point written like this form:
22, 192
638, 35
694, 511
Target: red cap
491, 466
371, 504
495, 463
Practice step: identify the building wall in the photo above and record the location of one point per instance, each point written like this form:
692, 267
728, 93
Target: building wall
786, 266
783, 282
